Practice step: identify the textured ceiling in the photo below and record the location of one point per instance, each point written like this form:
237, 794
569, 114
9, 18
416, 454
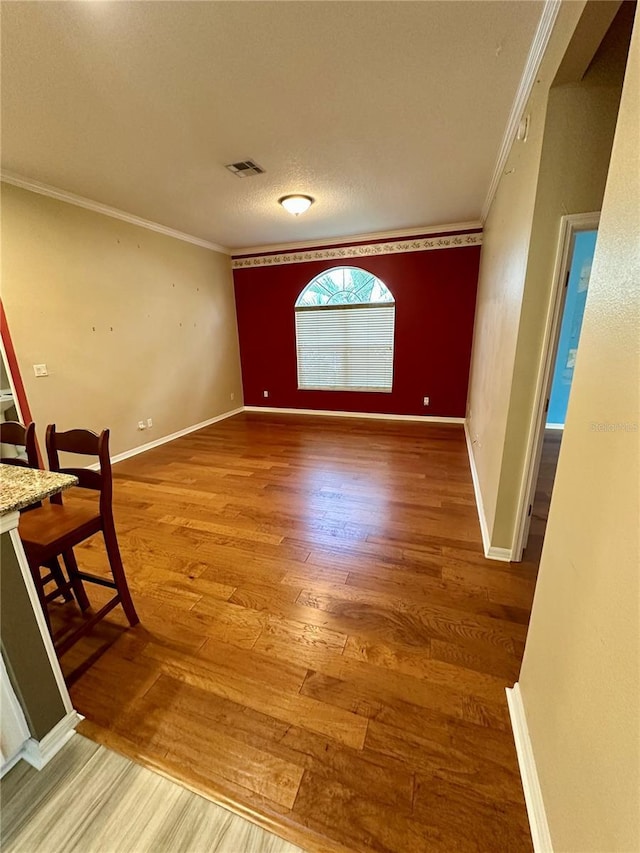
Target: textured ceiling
390, 114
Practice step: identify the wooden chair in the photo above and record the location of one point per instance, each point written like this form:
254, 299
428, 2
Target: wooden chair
13, 432
19, 435
57, 527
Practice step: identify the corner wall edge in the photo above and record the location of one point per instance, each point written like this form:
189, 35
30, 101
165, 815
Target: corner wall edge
491, 552
40, 752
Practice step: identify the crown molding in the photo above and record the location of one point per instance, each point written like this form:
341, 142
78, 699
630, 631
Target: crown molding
400, 233
105, 210
531, 68
367, 250
448, 229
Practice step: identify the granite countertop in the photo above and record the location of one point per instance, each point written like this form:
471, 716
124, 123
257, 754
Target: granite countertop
20, 487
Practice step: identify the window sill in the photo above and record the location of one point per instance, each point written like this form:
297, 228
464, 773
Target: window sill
338, 388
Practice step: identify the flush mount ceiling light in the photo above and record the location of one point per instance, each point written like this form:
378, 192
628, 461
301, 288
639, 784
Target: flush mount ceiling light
296, 204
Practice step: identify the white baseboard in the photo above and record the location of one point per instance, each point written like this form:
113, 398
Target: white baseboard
531, 784
373, 416
134, 451
504, 555
6, 767
40, 752
127, 454
491, 552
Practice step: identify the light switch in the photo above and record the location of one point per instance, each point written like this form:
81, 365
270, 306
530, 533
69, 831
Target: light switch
40, 370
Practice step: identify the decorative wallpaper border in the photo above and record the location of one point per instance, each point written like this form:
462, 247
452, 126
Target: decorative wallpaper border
421, 244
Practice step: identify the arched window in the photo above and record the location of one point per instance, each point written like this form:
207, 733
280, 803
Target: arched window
345, 320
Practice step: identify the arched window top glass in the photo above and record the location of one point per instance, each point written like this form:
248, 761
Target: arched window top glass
344, 286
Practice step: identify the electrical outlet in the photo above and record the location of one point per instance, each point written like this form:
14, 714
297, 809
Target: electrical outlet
265, 393
425, 401
149, 422
233, 396
40, 370
142, 425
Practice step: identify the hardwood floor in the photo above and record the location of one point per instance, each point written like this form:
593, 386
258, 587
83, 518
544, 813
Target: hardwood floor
544, 489
322, 645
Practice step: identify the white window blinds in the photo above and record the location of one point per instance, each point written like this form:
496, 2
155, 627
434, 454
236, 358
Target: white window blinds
346, 347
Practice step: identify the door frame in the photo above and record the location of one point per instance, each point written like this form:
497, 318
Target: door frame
569, 226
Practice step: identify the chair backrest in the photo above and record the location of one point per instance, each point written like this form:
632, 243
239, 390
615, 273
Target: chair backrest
86, 443
13, 432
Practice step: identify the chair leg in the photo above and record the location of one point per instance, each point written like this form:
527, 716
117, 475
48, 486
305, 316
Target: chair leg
76, 582
119, 576
56, 573
37, 579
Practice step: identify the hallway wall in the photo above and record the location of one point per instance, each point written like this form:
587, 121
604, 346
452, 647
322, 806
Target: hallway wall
580, 678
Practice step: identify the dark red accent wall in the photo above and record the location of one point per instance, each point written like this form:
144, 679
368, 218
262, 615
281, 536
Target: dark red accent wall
435, 293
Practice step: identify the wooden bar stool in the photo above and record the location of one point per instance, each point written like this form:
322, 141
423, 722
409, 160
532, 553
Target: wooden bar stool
57, 527
18, 435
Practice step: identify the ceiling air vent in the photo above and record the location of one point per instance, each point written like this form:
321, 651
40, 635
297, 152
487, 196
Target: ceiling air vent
245, 168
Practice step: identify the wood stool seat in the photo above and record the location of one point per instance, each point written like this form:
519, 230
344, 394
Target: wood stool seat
53, 527
57, 527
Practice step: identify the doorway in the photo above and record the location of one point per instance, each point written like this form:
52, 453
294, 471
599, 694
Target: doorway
576, 247
584, 245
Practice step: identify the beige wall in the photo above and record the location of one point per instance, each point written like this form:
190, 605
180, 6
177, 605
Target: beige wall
580, 678
131, 324
503, 265
578, 135
560, 169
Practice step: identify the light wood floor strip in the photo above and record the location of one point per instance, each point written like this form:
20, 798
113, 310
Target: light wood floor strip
323, 646
92, 800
